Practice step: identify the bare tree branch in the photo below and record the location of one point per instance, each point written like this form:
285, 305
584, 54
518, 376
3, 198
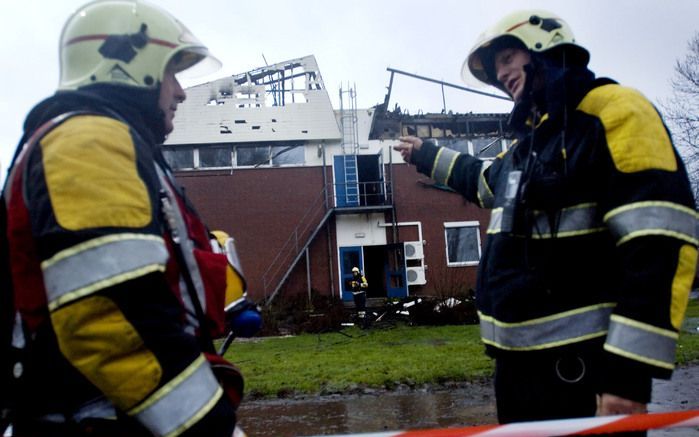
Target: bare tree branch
681, 110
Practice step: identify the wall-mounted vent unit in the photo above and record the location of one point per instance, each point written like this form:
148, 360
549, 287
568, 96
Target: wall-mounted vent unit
413, 250
415, 275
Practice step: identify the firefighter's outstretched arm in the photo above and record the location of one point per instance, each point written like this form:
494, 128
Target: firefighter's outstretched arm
471, 177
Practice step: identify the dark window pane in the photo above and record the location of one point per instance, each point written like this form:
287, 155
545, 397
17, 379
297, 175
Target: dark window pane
460, 145
251, 156
180, 158
462, 244
349, 260
284, 155
214, 157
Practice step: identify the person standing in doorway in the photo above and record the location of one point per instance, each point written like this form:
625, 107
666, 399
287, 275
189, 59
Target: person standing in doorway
359, 287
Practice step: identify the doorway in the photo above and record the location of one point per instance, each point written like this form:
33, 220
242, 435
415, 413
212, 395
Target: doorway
359, 180
383, 267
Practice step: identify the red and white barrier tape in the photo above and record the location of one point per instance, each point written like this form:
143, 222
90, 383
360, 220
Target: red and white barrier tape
548, 428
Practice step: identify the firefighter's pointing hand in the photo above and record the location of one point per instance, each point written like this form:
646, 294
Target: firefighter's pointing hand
406, 146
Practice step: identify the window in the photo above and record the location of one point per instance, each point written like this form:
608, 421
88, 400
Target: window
252, 156
218, 156
288, 154
458, 144
463, 243
179, 157
214, 157
481, 147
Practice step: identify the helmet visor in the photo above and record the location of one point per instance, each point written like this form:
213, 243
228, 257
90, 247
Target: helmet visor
193, 63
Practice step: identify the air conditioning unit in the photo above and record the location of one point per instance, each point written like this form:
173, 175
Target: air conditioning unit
413, 250
415, 275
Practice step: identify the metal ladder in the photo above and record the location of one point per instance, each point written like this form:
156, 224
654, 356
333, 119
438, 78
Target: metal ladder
348, 121
351, 181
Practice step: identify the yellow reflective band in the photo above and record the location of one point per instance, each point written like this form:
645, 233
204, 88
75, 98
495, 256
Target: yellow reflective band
555, 330
182, 402
632, 356
436, 162
551, 317
641, 341
495, 224
198, 416
101, 285
548, 345
682, 283
644, 326
635, 133
486, 198
92, 176
572, 222
444, 164
652, 218
99, 263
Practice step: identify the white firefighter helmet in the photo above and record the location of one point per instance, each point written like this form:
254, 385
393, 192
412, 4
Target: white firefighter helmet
533, 30
126, 42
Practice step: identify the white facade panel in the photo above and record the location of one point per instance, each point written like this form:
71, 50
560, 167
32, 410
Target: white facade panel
360, 230
228, 111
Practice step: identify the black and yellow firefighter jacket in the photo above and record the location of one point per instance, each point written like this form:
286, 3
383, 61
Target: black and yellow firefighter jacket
591, 236
99, 281
359, 284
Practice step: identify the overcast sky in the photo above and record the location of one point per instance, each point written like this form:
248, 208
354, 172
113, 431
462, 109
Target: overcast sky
633, 41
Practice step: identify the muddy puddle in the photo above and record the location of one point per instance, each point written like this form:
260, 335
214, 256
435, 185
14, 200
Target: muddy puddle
386, 411
458, 406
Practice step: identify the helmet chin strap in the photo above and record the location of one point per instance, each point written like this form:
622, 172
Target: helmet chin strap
157, 121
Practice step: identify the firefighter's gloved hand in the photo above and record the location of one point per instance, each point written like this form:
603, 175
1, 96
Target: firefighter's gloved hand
244, 319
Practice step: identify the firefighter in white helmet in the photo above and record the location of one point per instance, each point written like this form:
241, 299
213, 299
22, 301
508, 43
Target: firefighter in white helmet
359, 285
118, 291
591, 247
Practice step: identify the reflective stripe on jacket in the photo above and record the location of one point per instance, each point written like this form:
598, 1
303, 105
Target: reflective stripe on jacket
96, 282
603, 240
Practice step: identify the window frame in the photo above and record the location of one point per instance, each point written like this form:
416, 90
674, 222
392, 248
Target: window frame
463, 224
232, 149
192, 150
228, 147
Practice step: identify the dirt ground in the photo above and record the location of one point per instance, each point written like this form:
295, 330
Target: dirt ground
679, 393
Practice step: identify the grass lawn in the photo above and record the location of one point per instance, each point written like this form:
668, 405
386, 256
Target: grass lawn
333, 362
688, 346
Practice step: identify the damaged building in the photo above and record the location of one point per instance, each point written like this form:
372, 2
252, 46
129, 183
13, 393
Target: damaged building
309, 191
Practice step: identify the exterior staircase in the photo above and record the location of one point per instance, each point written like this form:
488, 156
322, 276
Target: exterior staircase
291, 252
